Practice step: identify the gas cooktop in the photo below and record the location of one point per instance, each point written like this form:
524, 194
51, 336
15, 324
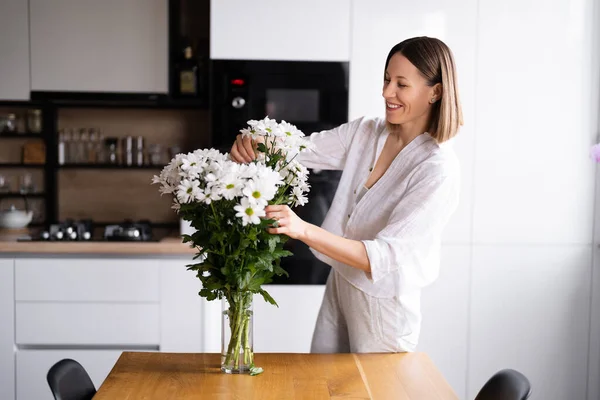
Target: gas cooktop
81, 231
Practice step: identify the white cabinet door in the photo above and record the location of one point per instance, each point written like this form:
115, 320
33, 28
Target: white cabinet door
33, 365
99, 46
180, 308
445, 310
308, 30
536, 108
7, 332
14, 50
530, 310
287, 329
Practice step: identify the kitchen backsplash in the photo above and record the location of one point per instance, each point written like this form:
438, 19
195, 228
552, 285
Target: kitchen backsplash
116, 194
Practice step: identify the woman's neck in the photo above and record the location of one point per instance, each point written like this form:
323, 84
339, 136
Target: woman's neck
405, 133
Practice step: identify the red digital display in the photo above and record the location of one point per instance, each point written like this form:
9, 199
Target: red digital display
238, 82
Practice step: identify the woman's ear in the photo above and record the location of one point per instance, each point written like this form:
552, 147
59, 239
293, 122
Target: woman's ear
436, 92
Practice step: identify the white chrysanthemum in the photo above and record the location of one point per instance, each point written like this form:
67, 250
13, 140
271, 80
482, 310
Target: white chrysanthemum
258, 193
187, 190
289, 129
249, 212
298, 197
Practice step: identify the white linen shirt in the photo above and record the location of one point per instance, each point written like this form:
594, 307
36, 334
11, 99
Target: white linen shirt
400, 218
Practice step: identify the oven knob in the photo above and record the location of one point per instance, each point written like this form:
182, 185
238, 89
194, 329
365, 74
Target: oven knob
238, 102
59, 235
45, 235
87, 236
136, 233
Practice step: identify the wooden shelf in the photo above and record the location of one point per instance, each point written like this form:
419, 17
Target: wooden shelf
21, 165
23, 135
109, 166
17, 194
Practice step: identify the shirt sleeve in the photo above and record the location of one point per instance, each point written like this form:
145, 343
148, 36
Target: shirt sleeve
330, 147
410, 242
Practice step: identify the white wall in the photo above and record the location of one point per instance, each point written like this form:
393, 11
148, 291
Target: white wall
514, 290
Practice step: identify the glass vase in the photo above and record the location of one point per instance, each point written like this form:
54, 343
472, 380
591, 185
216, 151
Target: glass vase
237, 354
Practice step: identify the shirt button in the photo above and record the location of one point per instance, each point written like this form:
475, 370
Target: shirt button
348, 215
371, 169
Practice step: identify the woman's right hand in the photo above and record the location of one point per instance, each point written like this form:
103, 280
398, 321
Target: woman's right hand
244, 149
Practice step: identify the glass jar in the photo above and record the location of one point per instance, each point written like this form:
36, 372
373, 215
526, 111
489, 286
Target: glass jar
237, 348
10, 123
155, 154
112, 156
34, 121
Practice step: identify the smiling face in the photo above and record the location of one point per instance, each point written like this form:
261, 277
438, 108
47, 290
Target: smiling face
408, 97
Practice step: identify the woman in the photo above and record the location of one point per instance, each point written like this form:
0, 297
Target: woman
398, 188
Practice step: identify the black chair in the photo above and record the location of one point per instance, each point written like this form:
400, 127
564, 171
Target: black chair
68, 380
506, 384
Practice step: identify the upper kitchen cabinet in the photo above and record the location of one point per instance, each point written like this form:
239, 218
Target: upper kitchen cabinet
99, 46
308, 30
14, 50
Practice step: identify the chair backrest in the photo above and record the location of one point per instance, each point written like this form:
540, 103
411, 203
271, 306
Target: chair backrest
68, 380
506, 384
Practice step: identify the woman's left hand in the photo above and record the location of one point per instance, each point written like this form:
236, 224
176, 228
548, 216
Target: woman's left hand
288, 222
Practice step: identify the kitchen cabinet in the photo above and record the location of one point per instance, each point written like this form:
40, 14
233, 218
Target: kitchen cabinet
14, 50
33, 365
7, 332
99, 46
530, 310
310, 30
287, 328
538, 190
445, 311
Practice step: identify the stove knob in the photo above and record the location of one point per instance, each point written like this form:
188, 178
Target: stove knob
59, 235
69, 230
45, 235
73, 235
136, 233
87, 236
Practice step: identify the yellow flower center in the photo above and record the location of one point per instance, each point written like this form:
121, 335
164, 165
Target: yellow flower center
230, 186
256, 194
249, 211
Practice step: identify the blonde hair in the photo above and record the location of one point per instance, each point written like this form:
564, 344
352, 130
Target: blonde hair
436, 63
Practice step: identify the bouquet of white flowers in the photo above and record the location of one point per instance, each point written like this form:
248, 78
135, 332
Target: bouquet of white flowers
224, 202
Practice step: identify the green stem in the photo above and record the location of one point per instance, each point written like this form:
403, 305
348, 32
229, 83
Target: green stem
240, 331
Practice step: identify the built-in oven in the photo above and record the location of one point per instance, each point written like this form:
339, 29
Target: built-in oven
311, 95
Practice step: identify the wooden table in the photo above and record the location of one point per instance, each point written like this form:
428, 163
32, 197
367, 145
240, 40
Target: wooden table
151, 375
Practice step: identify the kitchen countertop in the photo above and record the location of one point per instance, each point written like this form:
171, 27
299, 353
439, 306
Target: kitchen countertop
167, 246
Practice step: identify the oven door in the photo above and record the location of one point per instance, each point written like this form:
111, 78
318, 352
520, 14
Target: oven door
311, 95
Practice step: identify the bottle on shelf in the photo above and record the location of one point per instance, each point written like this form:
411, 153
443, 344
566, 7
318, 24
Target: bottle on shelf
128, 151
139, 151
34, 121
74, 147
100, 149
82, 146
90, 152
62, 147
187, 76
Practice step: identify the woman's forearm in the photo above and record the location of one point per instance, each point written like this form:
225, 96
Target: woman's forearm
347, 251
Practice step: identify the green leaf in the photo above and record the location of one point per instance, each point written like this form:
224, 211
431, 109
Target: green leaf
273, 240
261, 147
268, 297
186, 238
282, 253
